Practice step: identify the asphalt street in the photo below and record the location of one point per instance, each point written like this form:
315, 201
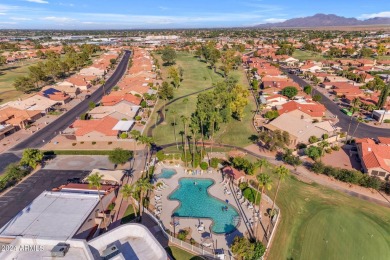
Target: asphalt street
344, 120
39, 138
25, 192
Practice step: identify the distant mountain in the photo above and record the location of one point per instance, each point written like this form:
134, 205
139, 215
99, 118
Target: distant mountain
325, 20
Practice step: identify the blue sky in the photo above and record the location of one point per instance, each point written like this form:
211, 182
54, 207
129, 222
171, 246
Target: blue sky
130, 14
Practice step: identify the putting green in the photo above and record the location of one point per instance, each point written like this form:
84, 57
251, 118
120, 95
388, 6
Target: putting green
337, 233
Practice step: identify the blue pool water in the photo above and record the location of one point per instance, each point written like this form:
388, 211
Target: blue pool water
196, 202
166, 173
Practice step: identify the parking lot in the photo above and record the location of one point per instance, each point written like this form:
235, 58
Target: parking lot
12, 202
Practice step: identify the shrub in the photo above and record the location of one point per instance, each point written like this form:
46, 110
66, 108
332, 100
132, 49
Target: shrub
124, 135
325, 136
243, 185
144, 104
313, 139
81, 142
74, 144
343, 134
272, 114
335, 148
138, 118
109, 143
204, 165
93, 142
182, 235
214, 162
160, 155
386, 121
328, 150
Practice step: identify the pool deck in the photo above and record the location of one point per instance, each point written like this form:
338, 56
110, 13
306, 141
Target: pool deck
217, 190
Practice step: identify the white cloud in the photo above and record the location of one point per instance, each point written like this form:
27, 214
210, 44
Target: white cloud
2, 13
59, 19
274, 20
38, 1
381, 14
20, 19
66, 4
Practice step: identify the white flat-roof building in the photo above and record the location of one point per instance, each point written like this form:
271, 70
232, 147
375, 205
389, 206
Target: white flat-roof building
52, 215
130, 241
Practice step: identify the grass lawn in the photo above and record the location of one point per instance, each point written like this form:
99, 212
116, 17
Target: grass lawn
320, 223
383, 57
179, 254
307, 55
129, 215
8, 74
197, 76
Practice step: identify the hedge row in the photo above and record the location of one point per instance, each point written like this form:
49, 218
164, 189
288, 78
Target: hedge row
349, 176
12, 175
77, 152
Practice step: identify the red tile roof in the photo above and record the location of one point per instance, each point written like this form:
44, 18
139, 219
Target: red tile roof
375, 155
312, 109
233, 172
103, 126
111, 100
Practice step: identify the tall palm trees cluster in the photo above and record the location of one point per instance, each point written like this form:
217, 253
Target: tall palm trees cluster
139, 190
264, 182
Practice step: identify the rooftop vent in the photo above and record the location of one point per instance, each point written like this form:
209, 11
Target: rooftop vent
110, 252
60, 250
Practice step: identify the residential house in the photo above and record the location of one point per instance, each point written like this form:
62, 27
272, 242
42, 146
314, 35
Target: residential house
273, 100
119, 111
375, 157
18, 118
96, 130
56, 95
300, 129
36, 102
303, 110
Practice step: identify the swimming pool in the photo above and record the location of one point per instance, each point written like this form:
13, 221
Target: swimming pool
196, 202
166, 173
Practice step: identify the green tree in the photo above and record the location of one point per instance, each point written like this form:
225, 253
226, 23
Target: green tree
165, 93
91, 105
381, 49
128, 191
282, 172
255, 84
243, 249
173, 74
264, 182
143, 187
271, 114
313, 152
383, 96
95, 181
24, 84
308, 89
317, 97
313, 139
366, 52
31, 157
120, 156
168, 55
240, 101
290, 92
3, 60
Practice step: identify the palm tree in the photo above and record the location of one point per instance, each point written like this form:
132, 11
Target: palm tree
185, 102
194, 128
202, 117
282, 173
353, 111
322, 145
261, 163
185, 120
128, 190
265, 182
143, 187
95, 181
359, 120
174, 113
135, 134
148, 141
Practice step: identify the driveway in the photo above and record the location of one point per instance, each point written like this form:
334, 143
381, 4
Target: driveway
79, 162
12, 202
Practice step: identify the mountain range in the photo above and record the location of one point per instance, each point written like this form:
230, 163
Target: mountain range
325, 20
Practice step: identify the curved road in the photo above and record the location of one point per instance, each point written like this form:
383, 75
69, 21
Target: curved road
161, 114
61, 123
364, 130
